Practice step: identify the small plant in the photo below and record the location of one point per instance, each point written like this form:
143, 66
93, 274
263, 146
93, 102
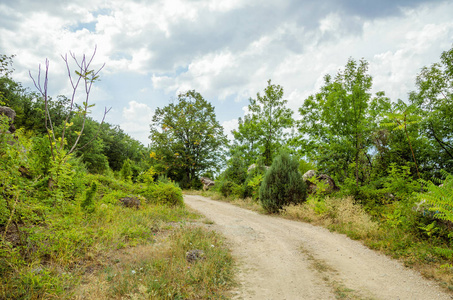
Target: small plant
282, 184
126, 171
430, 229
254, 184
88, 203
439, 197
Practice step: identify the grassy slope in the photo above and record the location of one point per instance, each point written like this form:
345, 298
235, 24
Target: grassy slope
114, 252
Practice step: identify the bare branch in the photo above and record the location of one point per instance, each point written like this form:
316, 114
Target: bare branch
47, 117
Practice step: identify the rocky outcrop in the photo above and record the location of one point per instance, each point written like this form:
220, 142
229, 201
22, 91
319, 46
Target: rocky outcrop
253, 166
195, 255
206, 183
11, 114
132, 202
325, 179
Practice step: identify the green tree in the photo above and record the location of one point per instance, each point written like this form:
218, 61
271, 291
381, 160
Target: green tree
187, 138
126, 171
282, 184
402, 116
119, 146
337, 120
246, 140
264, 126
434, 98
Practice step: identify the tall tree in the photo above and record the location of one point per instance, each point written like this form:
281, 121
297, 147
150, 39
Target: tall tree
186, 137
336, 120
434, 97
246, 140
264, 126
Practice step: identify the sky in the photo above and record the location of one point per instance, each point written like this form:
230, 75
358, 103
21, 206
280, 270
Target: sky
225, 50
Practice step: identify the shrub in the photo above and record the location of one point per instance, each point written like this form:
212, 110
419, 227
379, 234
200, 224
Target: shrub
282, 184
164, 193
236, 170
253, 186
440, 198
226, 187
88, 202
400, 182
126, 171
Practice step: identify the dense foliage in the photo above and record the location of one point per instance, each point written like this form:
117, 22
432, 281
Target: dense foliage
282, 184
55, 216
392, 160
187, 139
261, 132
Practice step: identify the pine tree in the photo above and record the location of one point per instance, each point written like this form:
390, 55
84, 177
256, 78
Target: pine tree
282, 184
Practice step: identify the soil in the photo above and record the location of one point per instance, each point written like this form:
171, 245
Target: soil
283, 259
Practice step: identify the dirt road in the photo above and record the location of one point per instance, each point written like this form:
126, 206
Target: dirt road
283, 259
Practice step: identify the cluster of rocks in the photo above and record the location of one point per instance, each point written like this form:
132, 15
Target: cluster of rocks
195, 255
132, 202
11, 114
311, 178
207, 183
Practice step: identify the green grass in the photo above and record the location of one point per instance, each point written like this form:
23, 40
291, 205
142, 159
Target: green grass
114, 252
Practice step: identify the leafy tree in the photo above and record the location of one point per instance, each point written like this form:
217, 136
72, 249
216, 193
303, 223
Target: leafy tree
6, 63
282, 184
337, 120
126, 171
263, 128
402, 116
187, 138
246, 140
434, 97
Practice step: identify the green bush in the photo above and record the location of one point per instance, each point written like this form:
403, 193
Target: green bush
126, 171
113, 196
400, 181
236, 170
163, 193
225, 187
440, 197
88, 203
282, 184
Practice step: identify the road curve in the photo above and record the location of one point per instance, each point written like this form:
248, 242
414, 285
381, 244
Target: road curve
283, 259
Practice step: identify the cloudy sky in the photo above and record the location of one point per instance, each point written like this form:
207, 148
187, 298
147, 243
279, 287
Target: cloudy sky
224, 49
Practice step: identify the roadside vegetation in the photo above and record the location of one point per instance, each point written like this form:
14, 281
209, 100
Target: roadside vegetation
84, 215
391, 162
82, 204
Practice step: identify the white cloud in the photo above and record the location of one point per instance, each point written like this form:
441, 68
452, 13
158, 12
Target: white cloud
229, 126
226, 50
136, 119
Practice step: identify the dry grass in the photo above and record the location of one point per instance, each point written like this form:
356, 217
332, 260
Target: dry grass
340, 214
161, 271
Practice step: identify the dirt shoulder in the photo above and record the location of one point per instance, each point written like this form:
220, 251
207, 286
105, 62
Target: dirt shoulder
283, 259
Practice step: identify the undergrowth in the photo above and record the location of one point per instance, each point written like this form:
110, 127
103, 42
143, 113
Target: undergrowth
67, 245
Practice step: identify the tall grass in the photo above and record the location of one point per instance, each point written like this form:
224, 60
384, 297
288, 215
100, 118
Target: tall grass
340, 214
